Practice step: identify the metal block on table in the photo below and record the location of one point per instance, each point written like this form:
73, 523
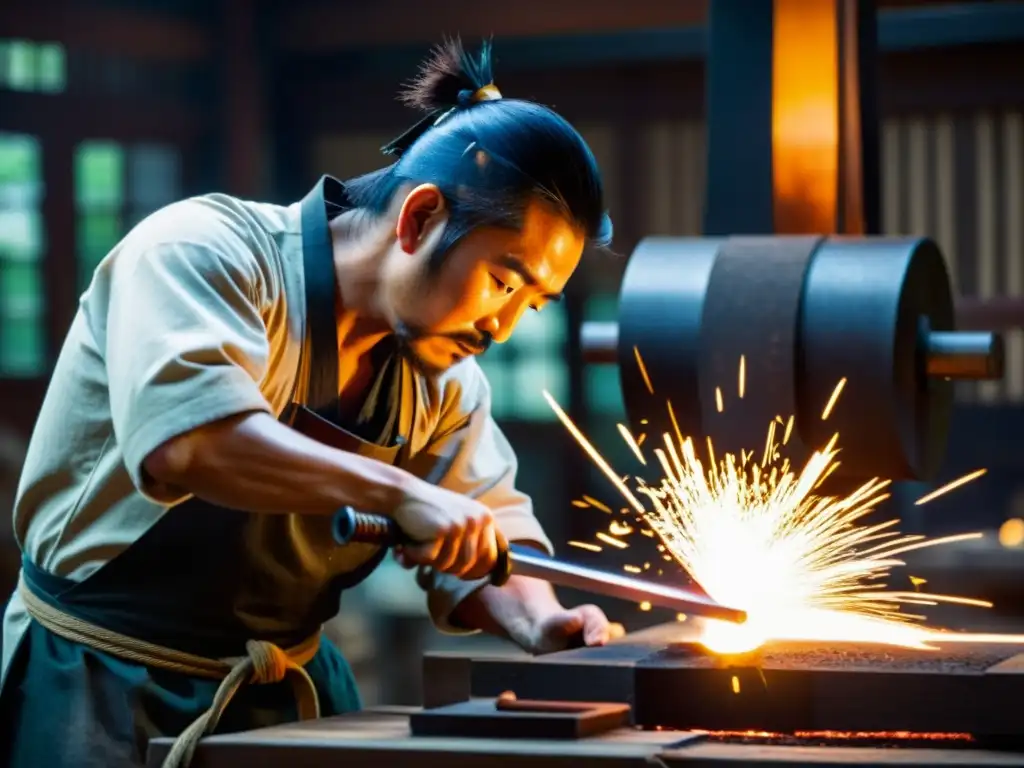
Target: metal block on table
488, 718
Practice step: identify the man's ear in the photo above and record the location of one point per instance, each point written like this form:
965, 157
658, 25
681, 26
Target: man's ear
422, 216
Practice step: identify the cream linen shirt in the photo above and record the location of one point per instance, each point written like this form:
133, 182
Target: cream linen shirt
199, 314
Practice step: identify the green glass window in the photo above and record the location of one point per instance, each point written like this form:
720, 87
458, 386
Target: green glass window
31, 66
115, 188
22, 297
99, 201
532, 361
601, 382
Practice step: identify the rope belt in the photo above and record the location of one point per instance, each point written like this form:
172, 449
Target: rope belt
263, 663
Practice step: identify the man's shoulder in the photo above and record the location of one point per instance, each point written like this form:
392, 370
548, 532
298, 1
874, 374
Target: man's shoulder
219, 222
218, 234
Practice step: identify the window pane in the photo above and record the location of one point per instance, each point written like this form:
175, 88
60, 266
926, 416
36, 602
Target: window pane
542, 331
497, 353
51, 73
531, 378
601, 387
498, 374
97, 234
21, 234
603, 391
19, 158
154, 178
21, 347
99, 175
21, 292
602, 308
20, 65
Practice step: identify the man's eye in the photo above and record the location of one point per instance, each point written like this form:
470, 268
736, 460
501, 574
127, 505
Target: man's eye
502, 286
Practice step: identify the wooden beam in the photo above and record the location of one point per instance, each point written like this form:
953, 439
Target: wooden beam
59, 258
22, 399
326, 25
116, 31
322, 25
899, 29
243, 99
99, 116
993, 314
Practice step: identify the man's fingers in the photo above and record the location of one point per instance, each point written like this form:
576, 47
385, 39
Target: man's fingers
420, 554
596, 628
489, 548
450, 548
486, 554
466, 557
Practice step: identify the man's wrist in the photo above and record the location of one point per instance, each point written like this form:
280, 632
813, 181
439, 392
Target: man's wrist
517, 611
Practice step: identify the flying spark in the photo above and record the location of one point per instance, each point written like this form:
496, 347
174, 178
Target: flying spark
804, 566
634, 445
951, 486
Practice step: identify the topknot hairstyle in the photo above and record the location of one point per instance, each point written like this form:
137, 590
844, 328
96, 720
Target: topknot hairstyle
448, 78
490, 156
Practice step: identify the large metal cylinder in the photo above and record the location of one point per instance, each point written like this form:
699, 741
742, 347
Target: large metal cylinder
804, 313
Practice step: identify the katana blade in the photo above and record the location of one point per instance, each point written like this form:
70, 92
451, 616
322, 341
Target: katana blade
351, 527
527, 562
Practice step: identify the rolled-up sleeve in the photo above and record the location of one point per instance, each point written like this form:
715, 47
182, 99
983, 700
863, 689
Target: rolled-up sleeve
185, 346
477, 460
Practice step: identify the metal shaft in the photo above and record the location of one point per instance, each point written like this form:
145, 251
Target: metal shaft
959, 355
599, 342
964, 355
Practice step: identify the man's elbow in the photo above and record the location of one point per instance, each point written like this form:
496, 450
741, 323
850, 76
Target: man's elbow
171, 463
199, 452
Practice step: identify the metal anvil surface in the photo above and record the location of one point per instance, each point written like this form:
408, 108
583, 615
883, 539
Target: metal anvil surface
671, 682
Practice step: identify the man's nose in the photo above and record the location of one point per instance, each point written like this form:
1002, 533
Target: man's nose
492, 326
500, 325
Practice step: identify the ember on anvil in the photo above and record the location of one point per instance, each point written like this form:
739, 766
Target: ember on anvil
784, 688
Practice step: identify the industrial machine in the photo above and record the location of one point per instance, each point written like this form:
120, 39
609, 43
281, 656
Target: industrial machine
803, 313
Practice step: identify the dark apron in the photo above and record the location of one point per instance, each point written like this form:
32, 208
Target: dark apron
204, 579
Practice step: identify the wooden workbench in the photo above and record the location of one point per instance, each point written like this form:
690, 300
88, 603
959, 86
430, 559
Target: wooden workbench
380, 738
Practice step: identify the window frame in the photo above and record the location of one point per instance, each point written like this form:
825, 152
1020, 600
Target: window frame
97, 117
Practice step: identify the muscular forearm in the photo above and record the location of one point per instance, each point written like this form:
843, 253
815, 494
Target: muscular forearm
256, 464
512, 611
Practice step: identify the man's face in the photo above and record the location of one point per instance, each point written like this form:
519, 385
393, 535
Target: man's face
482, 288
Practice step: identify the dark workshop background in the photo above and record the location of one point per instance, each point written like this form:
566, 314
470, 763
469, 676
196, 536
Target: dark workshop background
111, 108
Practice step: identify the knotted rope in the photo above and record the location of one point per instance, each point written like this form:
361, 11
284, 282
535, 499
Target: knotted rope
263, 663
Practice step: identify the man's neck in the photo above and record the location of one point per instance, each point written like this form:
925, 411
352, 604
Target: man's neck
359, 246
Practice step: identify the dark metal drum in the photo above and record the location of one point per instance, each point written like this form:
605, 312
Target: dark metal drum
803, 314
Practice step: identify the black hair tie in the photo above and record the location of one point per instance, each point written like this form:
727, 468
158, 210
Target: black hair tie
465, 99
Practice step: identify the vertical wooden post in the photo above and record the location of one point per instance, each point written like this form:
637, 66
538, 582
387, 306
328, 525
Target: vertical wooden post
243, 101
792, 121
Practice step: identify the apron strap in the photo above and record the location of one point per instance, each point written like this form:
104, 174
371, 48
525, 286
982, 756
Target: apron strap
318, 270
263, 663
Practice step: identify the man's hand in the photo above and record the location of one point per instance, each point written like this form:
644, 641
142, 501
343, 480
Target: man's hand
567, 627
457, 534
527, 612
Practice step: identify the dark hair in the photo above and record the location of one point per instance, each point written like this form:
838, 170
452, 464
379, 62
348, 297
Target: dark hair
489, 158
